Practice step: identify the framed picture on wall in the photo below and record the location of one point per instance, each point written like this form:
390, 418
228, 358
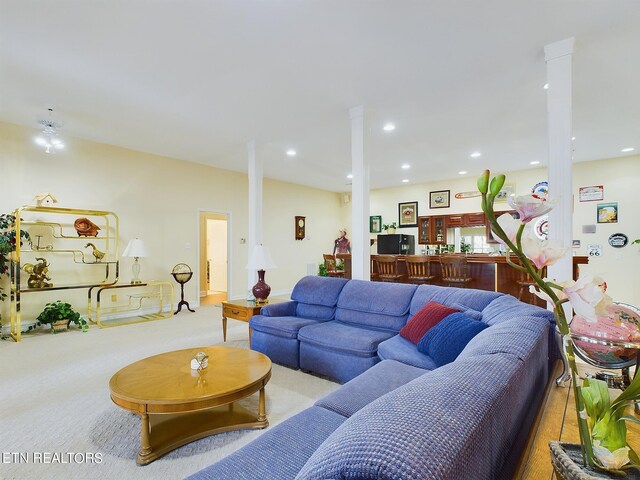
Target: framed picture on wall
507, 190
440, 199
408, 214
608, 212
375, 224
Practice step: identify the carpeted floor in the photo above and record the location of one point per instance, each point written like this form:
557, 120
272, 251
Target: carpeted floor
55, 400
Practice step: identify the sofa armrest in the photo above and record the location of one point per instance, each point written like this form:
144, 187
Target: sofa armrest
286, 309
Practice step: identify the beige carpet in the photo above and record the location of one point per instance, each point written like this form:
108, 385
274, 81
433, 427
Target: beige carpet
55, 400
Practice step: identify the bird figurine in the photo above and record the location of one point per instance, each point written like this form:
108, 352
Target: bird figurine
96, 253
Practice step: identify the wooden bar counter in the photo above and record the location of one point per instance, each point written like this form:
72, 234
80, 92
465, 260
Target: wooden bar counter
488, 272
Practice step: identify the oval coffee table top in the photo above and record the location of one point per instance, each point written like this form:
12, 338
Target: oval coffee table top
167, 378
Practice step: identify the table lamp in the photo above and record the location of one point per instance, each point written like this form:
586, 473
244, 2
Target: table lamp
261, 260
135, 249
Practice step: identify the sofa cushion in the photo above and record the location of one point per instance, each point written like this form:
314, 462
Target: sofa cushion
374, 304
459, 298
424, 319
372, 384
444, 342
507, 307
279, 452
316, 290
344, 338
402, 350
286, 327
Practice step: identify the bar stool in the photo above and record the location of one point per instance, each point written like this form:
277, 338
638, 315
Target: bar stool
373, 275
419, 269
330, 265
388, 268
455, 270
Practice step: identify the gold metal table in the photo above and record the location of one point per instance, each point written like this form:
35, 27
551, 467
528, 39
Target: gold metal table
178, 405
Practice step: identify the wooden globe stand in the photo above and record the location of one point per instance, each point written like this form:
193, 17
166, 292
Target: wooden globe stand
182, 274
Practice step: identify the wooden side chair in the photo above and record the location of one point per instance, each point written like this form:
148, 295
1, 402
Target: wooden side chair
419, 269
388, 268
455, 270
374, 275
330, 265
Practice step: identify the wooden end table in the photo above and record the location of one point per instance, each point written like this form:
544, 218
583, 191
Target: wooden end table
178, 405
241, 310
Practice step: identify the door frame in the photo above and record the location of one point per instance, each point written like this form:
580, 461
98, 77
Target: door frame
229, 248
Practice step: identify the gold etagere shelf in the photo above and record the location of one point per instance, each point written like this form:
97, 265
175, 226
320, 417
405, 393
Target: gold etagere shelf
106, 256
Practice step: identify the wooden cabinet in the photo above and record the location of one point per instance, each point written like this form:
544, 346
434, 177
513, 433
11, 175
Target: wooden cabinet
432, 230
466, 220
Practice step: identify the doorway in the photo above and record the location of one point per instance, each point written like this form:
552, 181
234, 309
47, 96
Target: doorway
214, 271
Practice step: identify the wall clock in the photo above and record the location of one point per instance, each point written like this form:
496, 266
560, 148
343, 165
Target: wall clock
301, 224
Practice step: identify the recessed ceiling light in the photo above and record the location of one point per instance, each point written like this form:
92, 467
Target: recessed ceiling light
475, 155
462, 172
389, 127
573, 138
534, 162
291, 152
628, 149
405, 180
546, 86
405, 166
350, 176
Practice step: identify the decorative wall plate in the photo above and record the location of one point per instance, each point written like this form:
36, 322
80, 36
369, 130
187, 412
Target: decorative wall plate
541, 189
618, 240
541, 227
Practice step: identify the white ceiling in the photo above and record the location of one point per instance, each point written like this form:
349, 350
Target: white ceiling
196, 80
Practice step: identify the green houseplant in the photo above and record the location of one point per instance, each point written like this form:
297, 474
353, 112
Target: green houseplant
59, 311
390, 228
601, 421
8, 244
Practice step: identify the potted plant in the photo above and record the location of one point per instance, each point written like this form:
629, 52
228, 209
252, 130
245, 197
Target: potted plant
601, 421
60, 315
390, 228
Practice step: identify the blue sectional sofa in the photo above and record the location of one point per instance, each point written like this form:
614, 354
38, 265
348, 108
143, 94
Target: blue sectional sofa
399, 415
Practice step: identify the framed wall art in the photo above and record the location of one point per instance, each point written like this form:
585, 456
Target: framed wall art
591, 194
608, 212
508, 189
375, 224
440, 199
408, 214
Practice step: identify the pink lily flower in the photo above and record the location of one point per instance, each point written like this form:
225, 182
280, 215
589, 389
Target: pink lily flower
543, 295
510, 226
531, 206
542, 252
587, 297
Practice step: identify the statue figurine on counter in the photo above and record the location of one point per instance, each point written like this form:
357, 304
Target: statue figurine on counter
342, 244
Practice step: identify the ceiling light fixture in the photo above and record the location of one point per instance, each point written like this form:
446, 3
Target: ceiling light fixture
405, 180
534, 162
49, 138
389, 127
405, 166
546, 86
350, 176
462, 172
475, 155
573, 138
628, 149
291, 152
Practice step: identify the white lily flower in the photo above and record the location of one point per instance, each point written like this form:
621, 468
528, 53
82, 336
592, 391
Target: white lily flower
611, 460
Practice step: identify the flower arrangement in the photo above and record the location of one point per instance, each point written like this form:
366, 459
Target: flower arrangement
602, 427
391, 226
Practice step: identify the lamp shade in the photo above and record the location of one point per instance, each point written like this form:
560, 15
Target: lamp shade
135, 248
260, 259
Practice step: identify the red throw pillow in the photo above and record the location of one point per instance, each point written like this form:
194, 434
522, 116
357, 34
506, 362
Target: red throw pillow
424, 319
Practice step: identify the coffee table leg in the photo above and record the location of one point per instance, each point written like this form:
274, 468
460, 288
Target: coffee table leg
224, 328
145, 443
262, 411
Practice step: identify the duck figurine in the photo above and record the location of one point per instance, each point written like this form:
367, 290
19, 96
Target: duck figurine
96, 253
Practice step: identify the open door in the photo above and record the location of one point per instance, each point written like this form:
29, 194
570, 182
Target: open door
213, 257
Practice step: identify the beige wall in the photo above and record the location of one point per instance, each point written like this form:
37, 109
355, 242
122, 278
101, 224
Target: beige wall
620, 177
158, 199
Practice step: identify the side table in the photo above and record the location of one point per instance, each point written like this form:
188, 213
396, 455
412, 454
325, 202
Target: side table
241, 310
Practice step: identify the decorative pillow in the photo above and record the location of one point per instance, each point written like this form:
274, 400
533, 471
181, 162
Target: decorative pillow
425, 318
445, 341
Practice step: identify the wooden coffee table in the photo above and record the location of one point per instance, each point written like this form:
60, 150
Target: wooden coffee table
179, 405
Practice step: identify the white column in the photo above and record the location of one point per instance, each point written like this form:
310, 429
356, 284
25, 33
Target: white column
360, 264
254, 235
558, 56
